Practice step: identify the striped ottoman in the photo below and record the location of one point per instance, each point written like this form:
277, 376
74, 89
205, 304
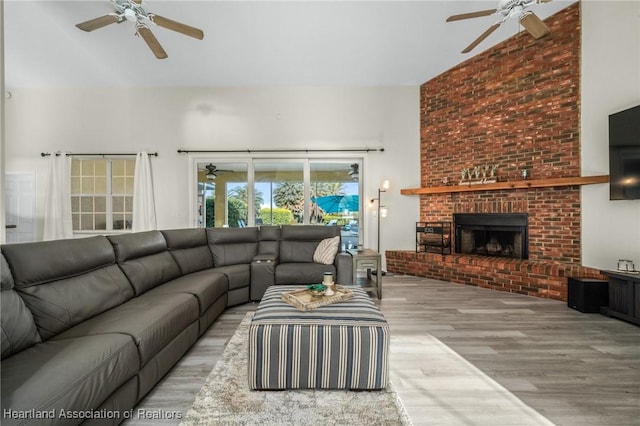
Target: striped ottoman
340, 346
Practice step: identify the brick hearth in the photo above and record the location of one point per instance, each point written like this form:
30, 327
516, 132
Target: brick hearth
534, 278
516, 105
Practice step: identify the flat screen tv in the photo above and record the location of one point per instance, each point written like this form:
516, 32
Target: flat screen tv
624, 154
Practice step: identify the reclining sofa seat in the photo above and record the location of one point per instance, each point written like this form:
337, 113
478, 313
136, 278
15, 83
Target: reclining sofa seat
233, 250
285, 256
297, 247
75, 281
190, 250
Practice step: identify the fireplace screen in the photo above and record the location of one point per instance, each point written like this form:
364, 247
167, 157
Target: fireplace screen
492, 234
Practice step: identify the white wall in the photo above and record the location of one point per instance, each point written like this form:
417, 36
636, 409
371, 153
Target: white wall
610, 83
165, 119
2, 127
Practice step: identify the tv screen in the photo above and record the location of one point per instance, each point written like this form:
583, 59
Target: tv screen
624, 154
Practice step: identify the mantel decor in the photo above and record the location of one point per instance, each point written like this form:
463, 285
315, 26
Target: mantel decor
478, 175
518, 184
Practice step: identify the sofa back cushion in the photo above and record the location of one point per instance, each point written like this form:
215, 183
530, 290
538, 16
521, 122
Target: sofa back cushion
298, 242
17, 329
269, 240
189, 248
65, 282
145, 260
232, 246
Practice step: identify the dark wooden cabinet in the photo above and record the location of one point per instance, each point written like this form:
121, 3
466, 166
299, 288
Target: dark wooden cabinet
624, 296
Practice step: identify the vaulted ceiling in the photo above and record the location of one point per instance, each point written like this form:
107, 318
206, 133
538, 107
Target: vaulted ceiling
248, 43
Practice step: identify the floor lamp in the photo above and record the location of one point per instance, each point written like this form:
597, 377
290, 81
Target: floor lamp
382, 210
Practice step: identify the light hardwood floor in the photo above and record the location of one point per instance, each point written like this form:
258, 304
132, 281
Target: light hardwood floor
570, 367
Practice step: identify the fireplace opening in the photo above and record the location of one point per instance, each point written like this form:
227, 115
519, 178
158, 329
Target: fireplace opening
492, 234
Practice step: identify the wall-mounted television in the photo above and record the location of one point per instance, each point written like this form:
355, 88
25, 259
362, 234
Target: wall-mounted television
624, 154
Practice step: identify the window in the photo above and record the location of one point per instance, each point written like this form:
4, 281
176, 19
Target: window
270, 191
102, 194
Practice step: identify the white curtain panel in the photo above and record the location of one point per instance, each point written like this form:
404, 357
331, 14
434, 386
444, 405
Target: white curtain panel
144, 207
57, 215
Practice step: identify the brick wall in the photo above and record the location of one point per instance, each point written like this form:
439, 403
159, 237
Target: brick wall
516, 105
542, 279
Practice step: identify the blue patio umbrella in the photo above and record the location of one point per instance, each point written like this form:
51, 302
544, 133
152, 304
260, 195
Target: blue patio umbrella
337, 203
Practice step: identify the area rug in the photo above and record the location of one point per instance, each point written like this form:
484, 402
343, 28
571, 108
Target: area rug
225, 398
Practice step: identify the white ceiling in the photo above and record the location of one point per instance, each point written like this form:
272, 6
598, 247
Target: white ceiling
247, 43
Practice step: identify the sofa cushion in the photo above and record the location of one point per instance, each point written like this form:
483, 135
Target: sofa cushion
299, 242
6, 279
17, 328
189, 248
326, 251
239, 275
42, 262
60, 291
72, 375
144, 258
152, 321
302, 273
207, 286
232, 246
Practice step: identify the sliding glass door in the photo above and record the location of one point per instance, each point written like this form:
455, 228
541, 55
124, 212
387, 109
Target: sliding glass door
223, 196
267, 191
334, 198
279, 191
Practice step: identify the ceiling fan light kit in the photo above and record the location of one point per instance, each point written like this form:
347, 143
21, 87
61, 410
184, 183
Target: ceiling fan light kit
213, 171
134, 11
507, 9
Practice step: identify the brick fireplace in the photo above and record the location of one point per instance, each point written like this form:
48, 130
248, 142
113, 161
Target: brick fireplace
492, 234
517, 106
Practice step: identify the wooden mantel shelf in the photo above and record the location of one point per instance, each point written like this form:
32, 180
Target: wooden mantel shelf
517, 184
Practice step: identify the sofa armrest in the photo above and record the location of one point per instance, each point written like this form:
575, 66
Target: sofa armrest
267, 257
263, 269
344, 269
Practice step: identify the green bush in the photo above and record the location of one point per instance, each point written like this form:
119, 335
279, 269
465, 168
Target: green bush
280, 216
210, 220
237, 212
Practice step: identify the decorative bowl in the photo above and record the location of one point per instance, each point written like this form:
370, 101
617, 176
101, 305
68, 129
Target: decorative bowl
317, 290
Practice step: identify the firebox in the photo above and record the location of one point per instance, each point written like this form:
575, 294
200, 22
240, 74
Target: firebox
492, 234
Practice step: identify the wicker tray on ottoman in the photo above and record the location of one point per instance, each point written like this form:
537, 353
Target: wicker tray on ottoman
303, 300
339, 346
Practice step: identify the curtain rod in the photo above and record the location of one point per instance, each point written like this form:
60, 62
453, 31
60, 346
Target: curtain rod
249, 151
47, 154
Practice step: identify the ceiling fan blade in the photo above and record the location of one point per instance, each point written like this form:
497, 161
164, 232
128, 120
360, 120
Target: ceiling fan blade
471, 15
534, 25
482, 37
94, 24
152, 42
177, 26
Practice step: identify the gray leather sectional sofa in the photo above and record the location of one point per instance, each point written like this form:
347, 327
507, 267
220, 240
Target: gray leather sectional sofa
90, 325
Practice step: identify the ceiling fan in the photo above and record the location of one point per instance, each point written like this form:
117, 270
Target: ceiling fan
354, 171
134, 11
507, 9
212, 171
